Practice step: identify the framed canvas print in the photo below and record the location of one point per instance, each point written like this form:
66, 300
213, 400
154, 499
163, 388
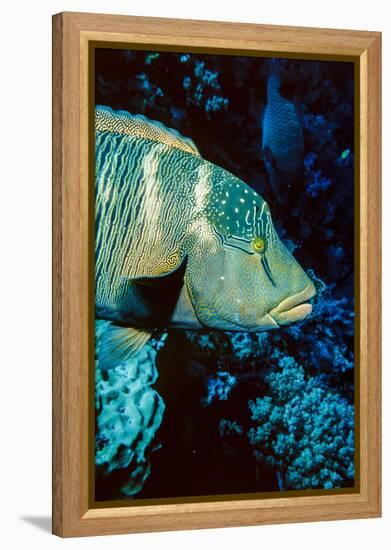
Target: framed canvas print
216, 239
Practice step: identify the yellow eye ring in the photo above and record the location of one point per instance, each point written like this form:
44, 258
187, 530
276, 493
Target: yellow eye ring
259, 245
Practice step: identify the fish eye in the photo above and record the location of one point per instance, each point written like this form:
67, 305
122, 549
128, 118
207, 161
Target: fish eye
259, 245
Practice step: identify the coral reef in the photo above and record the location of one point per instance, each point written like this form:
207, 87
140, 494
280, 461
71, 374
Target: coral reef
304, 432
128, 414
219, 386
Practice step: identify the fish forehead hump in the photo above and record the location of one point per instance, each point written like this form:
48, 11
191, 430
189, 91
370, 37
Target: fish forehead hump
235, 209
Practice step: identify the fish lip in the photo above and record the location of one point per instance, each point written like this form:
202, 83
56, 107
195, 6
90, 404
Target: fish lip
294, 308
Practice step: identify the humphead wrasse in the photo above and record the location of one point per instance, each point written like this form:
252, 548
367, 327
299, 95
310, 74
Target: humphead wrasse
181, 242
282, 140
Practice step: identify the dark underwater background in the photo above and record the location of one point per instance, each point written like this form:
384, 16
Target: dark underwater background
223, 413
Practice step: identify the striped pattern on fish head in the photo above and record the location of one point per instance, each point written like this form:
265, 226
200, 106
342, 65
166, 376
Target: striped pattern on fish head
240, 276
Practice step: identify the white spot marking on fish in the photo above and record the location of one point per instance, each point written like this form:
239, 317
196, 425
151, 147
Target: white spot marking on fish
261, 217
261, 212
247, 215
254, 220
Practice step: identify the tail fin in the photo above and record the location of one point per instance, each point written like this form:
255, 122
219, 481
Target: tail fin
274, 67
274, 80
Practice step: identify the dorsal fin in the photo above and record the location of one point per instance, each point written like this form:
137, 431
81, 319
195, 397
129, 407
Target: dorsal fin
122, 122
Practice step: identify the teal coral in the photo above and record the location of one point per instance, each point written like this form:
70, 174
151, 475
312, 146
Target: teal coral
303, 431
219, 387
129, 412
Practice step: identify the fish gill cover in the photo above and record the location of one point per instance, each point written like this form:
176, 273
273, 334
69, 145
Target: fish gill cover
240, 412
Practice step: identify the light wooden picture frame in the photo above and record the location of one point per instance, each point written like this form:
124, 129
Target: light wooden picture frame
74, 512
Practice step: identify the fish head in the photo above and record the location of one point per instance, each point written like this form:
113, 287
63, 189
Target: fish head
240, 276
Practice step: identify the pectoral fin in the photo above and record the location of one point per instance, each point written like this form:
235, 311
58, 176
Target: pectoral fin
119, 344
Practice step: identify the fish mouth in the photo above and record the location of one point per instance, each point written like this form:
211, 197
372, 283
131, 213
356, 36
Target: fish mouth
294, 308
